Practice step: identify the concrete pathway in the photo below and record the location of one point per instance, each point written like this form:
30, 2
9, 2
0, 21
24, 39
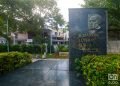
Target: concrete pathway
42, 73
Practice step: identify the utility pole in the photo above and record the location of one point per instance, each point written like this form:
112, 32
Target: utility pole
7, 36
50, 41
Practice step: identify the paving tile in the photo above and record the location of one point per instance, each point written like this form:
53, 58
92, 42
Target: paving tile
42, 73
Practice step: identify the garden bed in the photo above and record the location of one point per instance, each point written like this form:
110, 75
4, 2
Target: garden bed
95, 69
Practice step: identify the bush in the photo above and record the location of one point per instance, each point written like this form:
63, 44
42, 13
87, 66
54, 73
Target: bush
3, 48
95, 69
50, 48
15, 48
63, 48
34, 49
13, 60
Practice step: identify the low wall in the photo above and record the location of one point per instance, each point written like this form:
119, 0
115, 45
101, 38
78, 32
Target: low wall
113, 46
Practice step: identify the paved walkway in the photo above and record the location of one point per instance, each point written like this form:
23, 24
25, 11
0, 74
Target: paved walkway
42, 73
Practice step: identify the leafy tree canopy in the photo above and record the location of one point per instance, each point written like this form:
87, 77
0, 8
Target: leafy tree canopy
113, 7
28, 15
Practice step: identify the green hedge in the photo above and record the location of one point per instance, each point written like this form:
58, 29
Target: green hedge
95, 69
63, 48
34, 49
13, 60
3, 48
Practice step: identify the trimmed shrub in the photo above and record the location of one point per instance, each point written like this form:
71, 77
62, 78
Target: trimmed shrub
15, 48
50, 49
33, 49
63, 48
95, 69
3, 48
12, 60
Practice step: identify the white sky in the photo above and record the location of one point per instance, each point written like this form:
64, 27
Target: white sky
64, 5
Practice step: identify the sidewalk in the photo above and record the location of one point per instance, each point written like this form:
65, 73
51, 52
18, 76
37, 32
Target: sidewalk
42, 73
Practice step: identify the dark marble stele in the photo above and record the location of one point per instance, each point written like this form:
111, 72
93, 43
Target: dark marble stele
88, 32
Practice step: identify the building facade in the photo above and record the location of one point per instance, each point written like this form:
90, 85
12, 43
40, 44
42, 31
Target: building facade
57, 37
3, 40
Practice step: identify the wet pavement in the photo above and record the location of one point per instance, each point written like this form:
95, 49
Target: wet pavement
42, 73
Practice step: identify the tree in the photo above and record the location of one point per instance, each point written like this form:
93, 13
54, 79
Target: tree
113, 7
28, 15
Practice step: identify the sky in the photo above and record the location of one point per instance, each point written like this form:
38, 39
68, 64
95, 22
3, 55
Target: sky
64, 5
